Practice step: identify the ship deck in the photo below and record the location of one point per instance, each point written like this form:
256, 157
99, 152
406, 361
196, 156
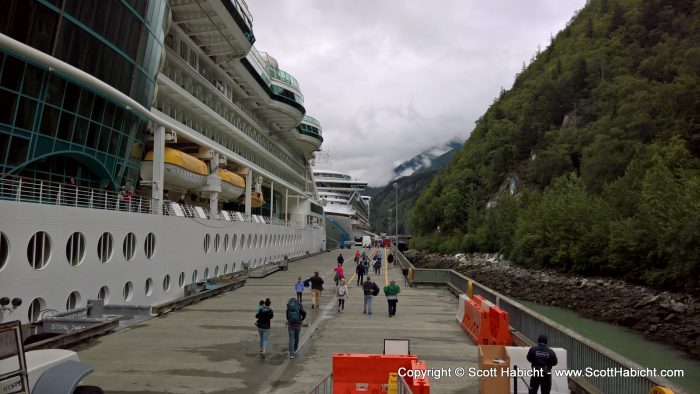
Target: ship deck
212, 346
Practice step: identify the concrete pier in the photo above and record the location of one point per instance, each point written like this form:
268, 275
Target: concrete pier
212, 347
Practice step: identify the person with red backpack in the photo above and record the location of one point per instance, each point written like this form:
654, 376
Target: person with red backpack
295, 316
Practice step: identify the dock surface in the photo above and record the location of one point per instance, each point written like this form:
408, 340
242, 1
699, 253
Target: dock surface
213, 346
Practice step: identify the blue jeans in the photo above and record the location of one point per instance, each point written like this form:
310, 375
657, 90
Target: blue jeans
264, 336
293, 339
368, 303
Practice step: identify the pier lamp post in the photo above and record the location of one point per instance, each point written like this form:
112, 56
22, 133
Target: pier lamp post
396, 213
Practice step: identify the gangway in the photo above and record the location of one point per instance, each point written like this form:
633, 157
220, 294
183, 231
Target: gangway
345, 241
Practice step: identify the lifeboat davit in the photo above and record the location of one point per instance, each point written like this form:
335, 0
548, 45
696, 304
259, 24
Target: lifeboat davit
182, 171
232, 185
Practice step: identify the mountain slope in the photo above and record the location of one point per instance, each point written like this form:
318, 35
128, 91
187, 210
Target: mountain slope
599, 140
430, 159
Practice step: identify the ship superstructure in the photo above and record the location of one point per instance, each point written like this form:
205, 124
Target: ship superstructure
347, 208
147, 145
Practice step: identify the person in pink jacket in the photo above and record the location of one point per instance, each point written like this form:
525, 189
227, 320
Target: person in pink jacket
339, 274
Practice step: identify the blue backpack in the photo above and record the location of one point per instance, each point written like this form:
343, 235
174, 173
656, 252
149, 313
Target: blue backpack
293, 311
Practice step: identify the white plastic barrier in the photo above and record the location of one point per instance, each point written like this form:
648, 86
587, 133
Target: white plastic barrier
460, 307
518, 357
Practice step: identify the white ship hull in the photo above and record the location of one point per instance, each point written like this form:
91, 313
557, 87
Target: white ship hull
179, 250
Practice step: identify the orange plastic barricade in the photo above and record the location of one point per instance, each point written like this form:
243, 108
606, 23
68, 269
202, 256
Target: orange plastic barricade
485, 323
420, 385
367, 373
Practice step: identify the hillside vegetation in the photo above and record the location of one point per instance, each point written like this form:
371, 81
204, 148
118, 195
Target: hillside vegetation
601, 134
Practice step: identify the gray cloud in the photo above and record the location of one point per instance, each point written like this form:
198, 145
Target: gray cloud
388, 79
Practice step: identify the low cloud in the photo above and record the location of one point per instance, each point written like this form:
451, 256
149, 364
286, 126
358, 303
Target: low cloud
389, 79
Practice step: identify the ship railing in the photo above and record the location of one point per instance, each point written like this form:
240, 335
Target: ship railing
582, 352
22, 189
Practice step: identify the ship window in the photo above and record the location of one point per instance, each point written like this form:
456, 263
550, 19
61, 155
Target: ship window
35, 308
250, 238
149, 287
150, 245
181, 280
195, 276
225, 269
216, 272
207, 240
206, 273
73, 300
255, 241
4, 250
242, 241
103, 294
39, 250
129, 247
166, 283
75, 249
128, 292
225, 242
104, 247
233, 242
216, 242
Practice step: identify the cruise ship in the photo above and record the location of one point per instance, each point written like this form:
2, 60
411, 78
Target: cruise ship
346, 209
146, 146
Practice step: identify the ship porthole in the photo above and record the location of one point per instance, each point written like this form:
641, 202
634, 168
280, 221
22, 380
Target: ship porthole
128, 292
195, 276
233, 242
129, 248
181, 280
73, 300
255, 241
250, 238
75, 249
206, 273
166, 283
217, 237
225, 242
207, 240
150, 245
103, 294
4, 250
104, 247
225, 269
149, 287
39, 250
35, 308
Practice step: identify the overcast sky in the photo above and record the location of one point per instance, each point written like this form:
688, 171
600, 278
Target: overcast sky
388, 79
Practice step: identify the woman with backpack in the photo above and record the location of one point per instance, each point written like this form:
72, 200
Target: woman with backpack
263, 323
295, 316
342, 293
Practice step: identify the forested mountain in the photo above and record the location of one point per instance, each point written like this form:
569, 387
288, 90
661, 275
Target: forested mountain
384, 199
591, 162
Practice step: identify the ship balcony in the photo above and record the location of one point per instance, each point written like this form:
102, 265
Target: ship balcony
309, 136
221, 28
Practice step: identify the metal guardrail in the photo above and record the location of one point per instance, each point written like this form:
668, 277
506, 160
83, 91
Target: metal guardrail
583, 352
199, 296
325, 386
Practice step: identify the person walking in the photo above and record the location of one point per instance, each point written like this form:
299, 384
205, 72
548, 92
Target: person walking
316, 289
339, 274
295, 316
357, 256
391, 292
360, 271
390, 259
340, 259
542, 359
377, 267
342, 293
299, 288
263, 323
370, 289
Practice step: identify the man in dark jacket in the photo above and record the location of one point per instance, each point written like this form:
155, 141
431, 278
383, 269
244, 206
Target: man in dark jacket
360, 271
341, 260
263, 323
295, 316
542, 359
316, 289
370, 289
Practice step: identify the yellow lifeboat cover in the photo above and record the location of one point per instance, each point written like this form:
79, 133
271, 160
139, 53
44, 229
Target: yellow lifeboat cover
230, 177
256, 200
181, 159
